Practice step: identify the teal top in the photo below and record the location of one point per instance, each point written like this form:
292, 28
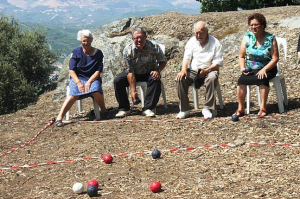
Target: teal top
258, 56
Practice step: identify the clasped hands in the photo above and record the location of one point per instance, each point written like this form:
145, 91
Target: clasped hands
83, 87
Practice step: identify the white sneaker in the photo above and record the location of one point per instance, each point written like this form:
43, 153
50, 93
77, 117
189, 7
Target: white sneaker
206, 113
123, 113
182, 114
148, 113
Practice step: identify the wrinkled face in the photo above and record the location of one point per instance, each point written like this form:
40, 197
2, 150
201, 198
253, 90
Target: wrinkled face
139, 40
201, 33
255, 26
86, 41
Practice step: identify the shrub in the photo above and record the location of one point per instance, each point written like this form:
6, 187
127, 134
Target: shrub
25, 64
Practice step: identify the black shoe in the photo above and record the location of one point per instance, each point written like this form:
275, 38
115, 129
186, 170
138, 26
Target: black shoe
105, 116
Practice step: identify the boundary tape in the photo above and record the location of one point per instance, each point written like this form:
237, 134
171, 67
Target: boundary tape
30, 141
229, 145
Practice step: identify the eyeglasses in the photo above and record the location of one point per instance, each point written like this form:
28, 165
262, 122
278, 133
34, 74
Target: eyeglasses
137, 38
254, 25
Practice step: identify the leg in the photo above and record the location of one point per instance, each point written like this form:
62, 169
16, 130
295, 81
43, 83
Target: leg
120, 85
100, 101
182, 90
241, 93
210, 82
66, 106
152, 93
264, 91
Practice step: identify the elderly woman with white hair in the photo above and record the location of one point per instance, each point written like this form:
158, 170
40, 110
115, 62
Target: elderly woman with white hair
85, 67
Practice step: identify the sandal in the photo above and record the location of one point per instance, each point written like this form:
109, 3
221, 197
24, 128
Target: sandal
59, 123
262, 112
239, 113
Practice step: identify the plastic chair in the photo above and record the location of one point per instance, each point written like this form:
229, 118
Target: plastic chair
219, 94
79, 106
278, 82
143, 86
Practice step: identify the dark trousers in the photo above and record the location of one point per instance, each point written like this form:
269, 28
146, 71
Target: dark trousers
152, 93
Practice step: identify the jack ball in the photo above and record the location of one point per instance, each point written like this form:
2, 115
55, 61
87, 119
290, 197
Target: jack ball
78, 187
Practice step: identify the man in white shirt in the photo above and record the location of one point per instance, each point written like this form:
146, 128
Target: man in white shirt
203, 56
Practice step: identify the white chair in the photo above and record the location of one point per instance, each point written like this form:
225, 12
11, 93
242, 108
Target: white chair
278, 82
143, 86
79, 106
219, 94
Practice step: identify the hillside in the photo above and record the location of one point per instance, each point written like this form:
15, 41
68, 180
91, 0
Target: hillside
212, 170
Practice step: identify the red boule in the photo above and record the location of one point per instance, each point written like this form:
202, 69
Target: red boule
93, 183
155, 187
107, 158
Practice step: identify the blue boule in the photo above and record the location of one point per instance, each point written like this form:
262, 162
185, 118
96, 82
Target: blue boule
247, 70
156, 154
235, 118
92, 191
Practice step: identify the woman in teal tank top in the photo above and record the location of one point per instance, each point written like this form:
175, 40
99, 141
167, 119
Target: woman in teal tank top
257, 60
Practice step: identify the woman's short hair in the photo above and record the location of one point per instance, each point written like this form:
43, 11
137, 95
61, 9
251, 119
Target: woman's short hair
139, 29
85, 33
259, 17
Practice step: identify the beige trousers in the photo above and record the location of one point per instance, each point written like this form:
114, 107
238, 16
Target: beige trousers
210, 83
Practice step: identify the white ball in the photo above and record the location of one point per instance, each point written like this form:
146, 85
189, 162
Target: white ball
78, 187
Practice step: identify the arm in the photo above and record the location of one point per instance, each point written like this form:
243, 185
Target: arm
156, 74
205, 71
91, 79
242, 56
132, 84
216, 62
275, 56
76, 80
183, 72
298, 48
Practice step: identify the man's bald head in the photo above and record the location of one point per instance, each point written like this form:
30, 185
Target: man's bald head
201, 32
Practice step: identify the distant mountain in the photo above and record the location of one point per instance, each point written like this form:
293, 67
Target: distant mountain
61, 19
91, 13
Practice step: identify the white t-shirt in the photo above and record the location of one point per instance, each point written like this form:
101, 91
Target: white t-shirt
212, 53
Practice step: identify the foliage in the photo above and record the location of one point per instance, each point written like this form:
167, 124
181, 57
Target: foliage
233, 5
25, 64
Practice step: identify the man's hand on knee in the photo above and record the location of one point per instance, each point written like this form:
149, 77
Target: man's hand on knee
155, 75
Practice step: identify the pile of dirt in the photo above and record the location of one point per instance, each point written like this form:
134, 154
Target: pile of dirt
211, 170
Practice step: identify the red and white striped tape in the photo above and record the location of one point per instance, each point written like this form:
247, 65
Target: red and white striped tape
149, 153
175, 120
30, 141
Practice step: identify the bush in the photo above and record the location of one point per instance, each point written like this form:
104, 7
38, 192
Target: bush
25, 64
15, 92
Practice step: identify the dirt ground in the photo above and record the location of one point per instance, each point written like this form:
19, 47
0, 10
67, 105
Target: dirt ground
241, 171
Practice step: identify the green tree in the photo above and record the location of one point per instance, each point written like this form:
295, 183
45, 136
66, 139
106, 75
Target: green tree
25, 64
228, 5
